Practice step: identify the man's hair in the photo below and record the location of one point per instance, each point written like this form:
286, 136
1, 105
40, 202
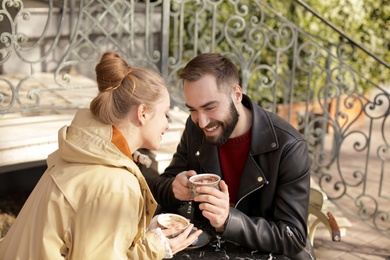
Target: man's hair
224, 71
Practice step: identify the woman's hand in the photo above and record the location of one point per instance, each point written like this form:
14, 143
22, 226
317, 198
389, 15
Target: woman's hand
183, 240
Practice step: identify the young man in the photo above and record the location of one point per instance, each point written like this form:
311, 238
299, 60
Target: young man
263, 161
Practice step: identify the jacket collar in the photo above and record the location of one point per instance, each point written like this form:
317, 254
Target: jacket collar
263, 133
263, 140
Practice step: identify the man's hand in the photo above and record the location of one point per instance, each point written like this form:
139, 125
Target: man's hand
214, 204
180, 185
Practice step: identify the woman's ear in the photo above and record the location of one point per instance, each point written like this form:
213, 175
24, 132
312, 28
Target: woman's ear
142, 114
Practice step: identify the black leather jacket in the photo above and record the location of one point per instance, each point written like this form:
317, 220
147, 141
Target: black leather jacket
272, 202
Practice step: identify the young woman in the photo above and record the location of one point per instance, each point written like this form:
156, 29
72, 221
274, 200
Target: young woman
93, 202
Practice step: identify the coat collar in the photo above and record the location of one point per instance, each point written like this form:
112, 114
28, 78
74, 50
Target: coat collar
88, 140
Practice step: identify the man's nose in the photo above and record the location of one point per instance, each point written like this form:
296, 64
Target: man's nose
203, 120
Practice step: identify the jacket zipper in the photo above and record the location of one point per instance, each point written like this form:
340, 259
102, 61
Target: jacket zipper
246, 195
235, 206
261, 186
292, 235
288, 230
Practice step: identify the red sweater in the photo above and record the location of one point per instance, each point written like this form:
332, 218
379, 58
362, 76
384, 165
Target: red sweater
232, 157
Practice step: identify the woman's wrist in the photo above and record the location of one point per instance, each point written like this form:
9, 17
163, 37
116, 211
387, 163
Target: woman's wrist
164, 241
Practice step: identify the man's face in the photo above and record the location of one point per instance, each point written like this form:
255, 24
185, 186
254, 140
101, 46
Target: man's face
211, 110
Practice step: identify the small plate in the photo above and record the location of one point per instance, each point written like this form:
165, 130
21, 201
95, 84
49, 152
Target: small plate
203, 239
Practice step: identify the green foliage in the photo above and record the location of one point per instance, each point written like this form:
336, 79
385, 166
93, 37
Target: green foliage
365, 22
258, 43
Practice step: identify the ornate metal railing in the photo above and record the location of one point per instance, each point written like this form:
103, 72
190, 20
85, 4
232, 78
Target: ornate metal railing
48, 50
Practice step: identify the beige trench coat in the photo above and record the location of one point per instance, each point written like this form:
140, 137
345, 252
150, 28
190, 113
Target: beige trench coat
89, 204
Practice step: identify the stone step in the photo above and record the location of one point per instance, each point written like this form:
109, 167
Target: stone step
29, 139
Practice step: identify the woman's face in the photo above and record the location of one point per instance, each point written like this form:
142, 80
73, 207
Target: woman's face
157, 124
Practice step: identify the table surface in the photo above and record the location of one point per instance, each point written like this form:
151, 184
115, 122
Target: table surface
217, 248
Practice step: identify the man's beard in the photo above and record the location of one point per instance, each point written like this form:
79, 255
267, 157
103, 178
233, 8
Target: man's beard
227, 126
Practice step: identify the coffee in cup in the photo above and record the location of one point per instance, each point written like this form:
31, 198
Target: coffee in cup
203, 179
170, 220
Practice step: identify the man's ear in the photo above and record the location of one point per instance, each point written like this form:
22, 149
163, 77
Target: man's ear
237, 93
142, 114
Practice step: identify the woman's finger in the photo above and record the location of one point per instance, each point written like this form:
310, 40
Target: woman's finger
184, 240
171, 231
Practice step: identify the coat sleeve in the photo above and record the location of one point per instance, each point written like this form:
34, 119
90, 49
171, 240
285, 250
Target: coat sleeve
110, 227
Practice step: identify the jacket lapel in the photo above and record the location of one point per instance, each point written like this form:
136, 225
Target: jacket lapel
208, 156
252, 179
263, 140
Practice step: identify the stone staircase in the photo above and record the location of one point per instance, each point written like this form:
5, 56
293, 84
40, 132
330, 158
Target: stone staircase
28, 137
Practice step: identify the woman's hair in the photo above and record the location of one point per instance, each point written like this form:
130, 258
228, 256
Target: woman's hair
122, 87
220, 67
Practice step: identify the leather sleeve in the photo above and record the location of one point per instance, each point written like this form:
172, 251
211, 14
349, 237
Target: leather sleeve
162, 188
285, 230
